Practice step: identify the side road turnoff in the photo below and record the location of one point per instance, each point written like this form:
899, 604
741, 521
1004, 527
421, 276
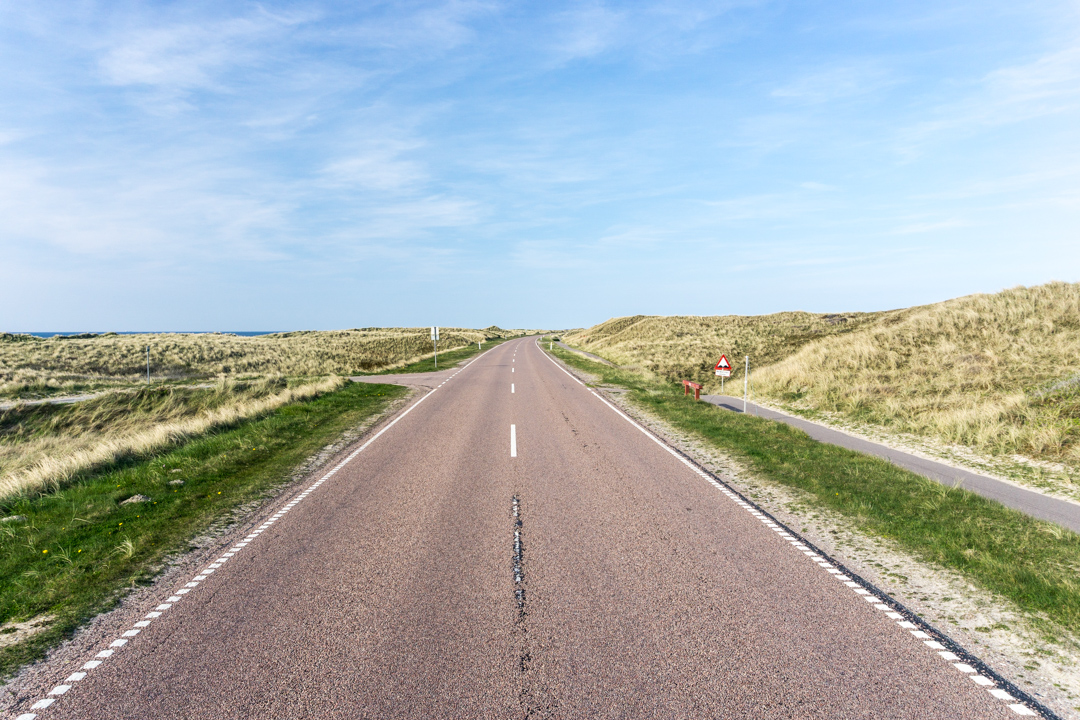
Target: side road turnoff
591, 571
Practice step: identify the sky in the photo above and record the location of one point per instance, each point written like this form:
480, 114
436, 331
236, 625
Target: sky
316, 165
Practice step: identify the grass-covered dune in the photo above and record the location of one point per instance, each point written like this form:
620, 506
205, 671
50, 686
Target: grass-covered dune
45, 447
200, 383
34, 367
999, 373
686, 347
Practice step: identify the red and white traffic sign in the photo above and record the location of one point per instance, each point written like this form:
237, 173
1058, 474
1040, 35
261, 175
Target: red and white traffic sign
723, 367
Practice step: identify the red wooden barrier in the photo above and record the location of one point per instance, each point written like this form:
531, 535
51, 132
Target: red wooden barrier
686, 389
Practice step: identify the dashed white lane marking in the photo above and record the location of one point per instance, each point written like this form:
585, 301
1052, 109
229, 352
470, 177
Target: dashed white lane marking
209, 569
511, 388
858, 589
513, 441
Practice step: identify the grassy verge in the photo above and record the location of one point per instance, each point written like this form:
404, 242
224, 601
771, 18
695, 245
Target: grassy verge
48, 446
76, 552
447, 359
1033, 563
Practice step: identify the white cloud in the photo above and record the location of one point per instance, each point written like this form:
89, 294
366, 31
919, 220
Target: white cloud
8, 136
587, 31
835, 83
930, 227
184, 56
378, 167
549, 255
1049, 85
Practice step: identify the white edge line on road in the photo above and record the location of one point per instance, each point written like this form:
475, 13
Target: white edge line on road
60, 689
858, 589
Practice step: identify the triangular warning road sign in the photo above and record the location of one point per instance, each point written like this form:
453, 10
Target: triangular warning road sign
723, 364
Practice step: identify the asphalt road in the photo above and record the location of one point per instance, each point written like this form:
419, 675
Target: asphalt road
1036, 504
513, 547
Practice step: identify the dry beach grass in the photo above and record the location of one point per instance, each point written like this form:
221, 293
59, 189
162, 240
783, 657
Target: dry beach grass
35, 367
44, 446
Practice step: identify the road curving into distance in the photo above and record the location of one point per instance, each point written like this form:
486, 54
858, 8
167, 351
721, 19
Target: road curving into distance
512, 546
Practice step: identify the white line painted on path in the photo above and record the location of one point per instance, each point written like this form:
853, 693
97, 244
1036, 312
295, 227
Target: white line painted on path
754, 512
513, 441
511, 388
238, 547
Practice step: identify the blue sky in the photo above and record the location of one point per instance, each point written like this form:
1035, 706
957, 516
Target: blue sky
238, 165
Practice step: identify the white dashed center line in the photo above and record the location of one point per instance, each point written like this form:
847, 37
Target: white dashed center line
511, 388
513, 441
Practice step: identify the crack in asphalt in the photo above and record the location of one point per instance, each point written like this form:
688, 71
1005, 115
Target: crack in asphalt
529, 692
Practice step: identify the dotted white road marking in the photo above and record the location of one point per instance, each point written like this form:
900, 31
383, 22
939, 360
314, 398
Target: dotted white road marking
511, 388
237, 547
513, 441
857, 588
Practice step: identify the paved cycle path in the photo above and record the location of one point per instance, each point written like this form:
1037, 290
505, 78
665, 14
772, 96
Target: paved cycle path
1036, 504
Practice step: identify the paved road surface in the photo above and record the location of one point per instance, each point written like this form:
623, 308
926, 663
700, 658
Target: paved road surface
1033, 503
572, 567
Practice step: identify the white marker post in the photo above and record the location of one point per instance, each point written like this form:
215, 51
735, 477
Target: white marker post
147, 364
745, 384
435, 339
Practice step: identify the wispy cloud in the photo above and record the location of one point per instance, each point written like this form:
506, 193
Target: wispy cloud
835, 83
380, 166
1046, 86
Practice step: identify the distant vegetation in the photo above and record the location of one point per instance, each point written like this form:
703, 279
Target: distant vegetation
999, 373
34, 367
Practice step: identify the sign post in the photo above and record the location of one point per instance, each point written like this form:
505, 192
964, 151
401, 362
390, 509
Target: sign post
435, 339
745, 384
723, 370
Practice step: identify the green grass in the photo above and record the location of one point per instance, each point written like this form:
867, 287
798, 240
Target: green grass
447, 359
79, 550
1033, 563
